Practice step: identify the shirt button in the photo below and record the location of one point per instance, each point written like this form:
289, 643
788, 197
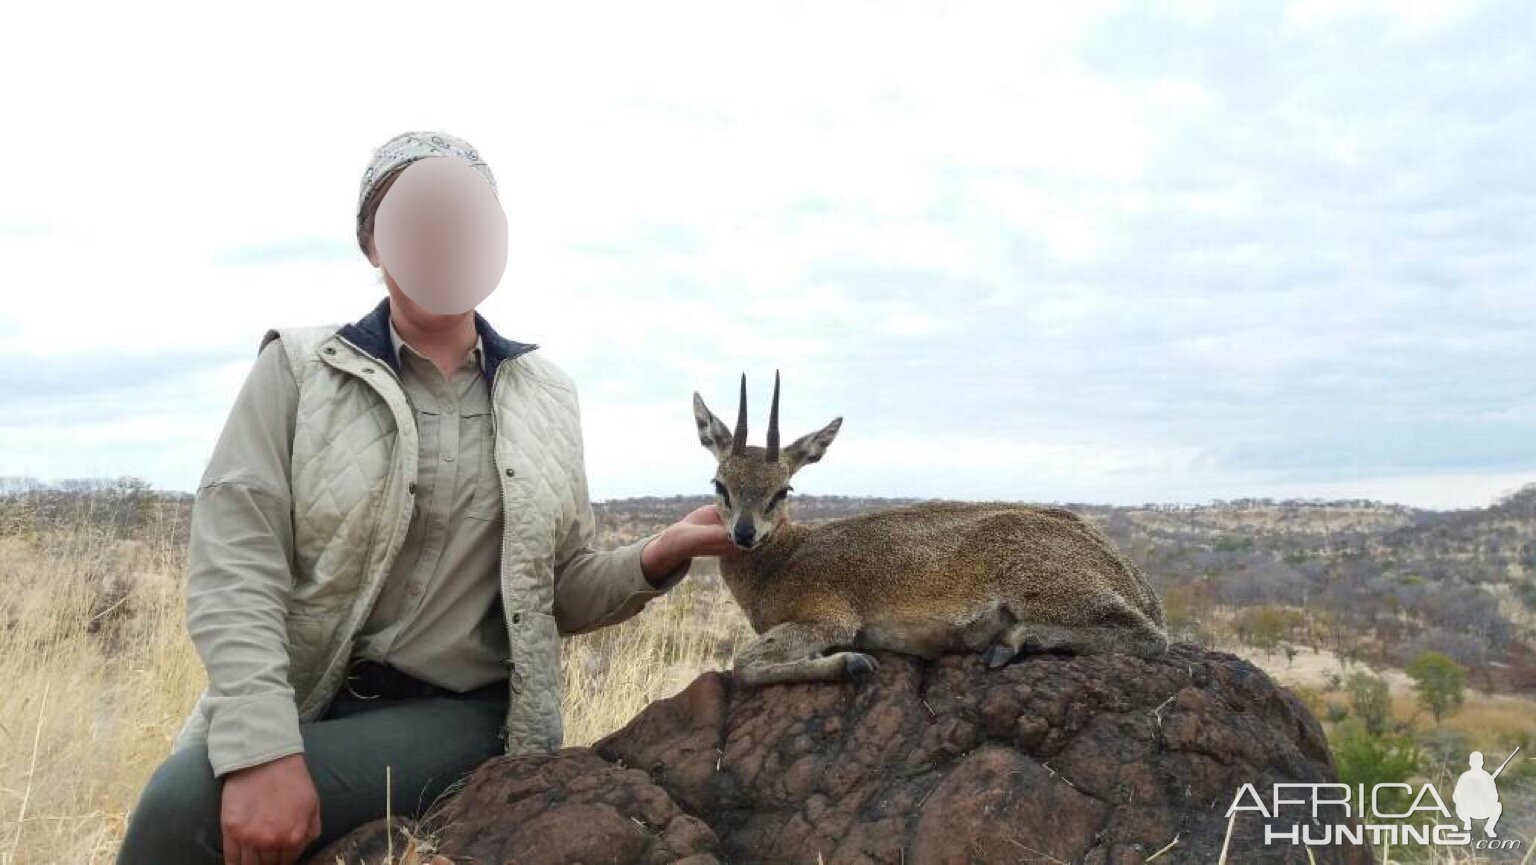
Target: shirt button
447, 457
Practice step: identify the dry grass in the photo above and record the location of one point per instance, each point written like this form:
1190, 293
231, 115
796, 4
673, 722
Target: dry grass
613, 673
100, 673
1494, 718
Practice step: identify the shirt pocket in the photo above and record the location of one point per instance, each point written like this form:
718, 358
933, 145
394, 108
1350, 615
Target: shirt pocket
480, 453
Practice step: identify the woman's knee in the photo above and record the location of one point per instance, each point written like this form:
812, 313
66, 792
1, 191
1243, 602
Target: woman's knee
176, 819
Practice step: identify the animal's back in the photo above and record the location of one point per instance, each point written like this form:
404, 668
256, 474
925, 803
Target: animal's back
942, 557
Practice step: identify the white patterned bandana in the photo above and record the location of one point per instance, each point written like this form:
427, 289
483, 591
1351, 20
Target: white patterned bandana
407, 147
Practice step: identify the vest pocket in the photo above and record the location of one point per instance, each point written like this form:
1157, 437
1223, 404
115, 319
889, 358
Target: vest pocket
308, 644
537, 655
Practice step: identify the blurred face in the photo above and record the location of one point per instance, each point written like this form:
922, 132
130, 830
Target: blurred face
441, 235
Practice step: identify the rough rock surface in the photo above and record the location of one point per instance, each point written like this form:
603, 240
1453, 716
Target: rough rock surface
1101, 759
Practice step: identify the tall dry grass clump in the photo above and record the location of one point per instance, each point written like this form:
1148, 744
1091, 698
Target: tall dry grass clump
98, 672
613, 673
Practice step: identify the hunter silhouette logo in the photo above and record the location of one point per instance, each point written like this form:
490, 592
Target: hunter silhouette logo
1477, 796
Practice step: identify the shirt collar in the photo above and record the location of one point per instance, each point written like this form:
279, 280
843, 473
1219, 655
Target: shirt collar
479, 349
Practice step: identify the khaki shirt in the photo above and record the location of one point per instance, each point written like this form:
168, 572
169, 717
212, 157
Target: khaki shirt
438, 615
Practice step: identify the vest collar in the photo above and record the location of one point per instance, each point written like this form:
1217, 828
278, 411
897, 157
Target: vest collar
371, 334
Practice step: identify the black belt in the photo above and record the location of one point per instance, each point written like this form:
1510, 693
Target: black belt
369, 680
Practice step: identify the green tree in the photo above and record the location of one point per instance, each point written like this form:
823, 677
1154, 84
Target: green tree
1371, 699
1265, 627
1178, 609
1440, 683
1362, 758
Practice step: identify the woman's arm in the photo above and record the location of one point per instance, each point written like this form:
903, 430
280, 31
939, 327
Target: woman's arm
598, 588
239, 572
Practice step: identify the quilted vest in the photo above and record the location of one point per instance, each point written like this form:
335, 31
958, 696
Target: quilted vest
353, 473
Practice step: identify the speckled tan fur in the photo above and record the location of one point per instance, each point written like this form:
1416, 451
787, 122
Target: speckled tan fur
992, 577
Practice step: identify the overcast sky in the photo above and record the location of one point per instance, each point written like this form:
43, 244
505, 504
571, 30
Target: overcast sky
1112, 255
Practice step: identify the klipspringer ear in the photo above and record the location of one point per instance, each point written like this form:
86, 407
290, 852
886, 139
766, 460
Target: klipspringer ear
714, 435
810, 447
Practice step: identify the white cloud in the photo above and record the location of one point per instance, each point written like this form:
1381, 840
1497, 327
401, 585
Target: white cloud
1097, 251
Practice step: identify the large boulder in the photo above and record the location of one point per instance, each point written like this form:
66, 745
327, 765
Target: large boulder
1055, 758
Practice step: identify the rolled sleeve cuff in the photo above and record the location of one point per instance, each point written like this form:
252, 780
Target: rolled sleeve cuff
247, 731
642, 586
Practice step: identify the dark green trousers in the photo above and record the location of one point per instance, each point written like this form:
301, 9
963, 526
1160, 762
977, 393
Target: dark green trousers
427, 743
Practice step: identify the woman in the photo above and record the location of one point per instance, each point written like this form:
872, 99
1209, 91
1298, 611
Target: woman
390, 539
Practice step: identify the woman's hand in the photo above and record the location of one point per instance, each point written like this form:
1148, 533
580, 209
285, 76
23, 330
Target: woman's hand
698, 534
269, 812
701, 534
